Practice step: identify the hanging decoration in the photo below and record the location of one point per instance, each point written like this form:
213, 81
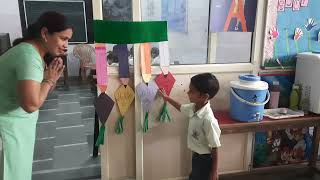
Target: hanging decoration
165, 82
147, 94
145, 65
103, 104
164, 57
124, 95
129, 33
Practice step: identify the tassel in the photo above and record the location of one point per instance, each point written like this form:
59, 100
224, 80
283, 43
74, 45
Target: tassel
164, 114
119, 125
100, 139
146, 122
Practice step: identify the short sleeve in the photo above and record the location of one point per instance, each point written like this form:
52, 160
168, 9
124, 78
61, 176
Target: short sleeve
29, 67
187, 109
212, 133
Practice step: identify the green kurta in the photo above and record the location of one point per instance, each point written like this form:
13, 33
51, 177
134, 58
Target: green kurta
17, 127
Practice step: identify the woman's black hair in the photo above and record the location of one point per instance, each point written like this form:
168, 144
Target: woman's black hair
206, 83
53, 21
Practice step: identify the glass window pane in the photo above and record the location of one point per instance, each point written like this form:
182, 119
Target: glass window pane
231, 25
230, 47
187, 26
117, 10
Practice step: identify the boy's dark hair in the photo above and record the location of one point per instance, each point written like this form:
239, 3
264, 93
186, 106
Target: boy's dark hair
206, 83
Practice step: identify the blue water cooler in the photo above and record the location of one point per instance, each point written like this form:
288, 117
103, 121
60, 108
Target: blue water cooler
247, 98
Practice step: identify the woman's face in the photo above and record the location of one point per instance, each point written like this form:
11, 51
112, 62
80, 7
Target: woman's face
57, 43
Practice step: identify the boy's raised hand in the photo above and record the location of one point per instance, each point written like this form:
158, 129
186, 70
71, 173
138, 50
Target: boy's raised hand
163, 94
166, 98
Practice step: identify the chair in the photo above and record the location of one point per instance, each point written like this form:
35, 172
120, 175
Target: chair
86, 54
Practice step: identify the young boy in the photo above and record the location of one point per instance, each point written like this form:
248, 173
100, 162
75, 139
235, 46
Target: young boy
203, 130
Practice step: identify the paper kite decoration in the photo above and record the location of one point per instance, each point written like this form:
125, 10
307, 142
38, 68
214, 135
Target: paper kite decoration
147, 94
166, 83
103, 105
121, 33
124, 97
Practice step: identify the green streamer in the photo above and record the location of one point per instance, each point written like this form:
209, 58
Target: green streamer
119, 125
164, 114
100, 139
309, 41
120, 32
275, 54
146, 122
297, 45
287, 43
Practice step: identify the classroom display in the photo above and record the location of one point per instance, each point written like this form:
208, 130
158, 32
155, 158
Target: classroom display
292, 27
123, 33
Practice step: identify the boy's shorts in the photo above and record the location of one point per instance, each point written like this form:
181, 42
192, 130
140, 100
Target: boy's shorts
201, 166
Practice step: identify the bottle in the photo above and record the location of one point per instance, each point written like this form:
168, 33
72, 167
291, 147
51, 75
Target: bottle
294, 98
274, 95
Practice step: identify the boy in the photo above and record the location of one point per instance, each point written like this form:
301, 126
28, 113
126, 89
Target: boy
203, 130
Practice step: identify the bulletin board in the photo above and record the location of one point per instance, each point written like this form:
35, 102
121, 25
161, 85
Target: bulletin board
283, 17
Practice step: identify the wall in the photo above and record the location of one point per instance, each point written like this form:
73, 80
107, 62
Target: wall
165, 151
10, 18
10, 23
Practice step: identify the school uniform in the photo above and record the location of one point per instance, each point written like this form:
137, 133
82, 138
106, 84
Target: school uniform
203, 135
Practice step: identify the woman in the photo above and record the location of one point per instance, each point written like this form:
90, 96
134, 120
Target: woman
25, 81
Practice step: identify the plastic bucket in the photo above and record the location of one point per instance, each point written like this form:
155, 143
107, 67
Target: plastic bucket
248, 97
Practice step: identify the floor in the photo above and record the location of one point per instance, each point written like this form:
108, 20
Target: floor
288, 174
64, 143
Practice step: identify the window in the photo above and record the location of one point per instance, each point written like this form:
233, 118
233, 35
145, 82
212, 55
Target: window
117, 10
204, 31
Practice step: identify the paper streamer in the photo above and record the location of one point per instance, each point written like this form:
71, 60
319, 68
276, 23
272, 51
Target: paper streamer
121, 51
145, 49
120, 32
164, 57
101, 66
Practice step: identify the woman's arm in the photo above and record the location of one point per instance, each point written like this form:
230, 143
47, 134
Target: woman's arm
32, 94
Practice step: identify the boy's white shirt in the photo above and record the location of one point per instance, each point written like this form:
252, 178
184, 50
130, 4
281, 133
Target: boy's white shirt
203, 130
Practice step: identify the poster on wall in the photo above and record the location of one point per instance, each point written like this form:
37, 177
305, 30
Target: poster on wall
175, 12
282, 147
233, 15
298, 29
